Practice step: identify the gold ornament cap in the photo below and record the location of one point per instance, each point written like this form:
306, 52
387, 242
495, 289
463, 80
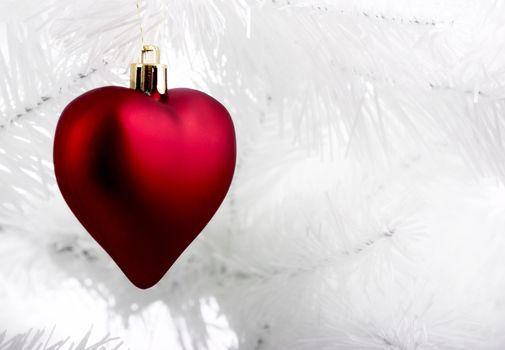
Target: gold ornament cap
149, 75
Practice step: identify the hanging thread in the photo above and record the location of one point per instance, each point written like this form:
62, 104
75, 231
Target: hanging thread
140, 23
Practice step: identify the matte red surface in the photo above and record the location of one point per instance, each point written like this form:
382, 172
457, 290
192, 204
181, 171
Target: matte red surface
144, 175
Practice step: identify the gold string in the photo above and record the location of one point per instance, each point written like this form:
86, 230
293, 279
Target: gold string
140, 23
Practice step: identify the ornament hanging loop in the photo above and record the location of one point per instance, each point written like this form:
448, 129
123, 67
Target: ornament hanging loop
149, 75
144, 55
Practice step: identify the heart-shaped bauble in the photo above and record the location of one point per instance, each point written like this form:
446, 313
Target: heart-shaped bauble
144, 174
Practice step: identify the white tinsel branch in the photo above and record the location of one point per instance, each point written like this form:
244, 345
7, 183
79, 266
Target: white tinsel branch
42, 340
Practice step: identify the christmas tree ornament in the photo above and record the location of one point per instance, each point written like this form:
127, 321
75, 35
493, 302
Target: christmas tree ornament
144, 169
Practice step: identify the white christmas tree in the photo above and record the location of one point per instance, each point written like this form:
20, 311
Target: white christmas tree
367, 209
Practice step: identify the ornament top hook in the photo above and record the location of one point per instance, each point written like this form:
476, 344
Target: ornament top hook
149, 75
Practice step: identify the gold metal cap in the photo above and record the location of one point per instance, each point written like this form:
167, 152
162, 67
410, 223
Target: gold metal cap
149, 75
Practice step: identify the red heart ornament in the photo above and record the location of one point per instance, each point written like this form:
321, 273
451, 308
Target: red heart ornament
144, 174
